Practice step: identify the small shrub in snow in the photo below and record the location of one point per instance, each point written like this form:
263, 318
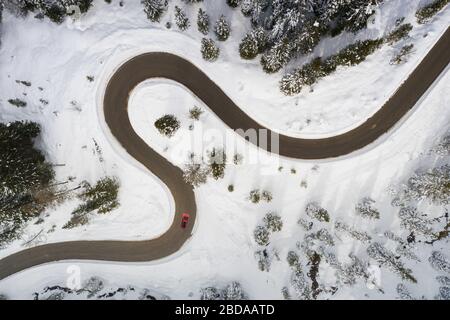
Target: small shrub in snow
17, 102
443, 281
386, 258
230, 188
399, 33
355, 234
273, 222
195, 113
262, 235
202, 21
439, 262
234, 3
264, 260
222, 29
433, 184
167, 125
101, 198
195, 173
365, 209
403, 292
217, 162
313, 210
307, 225
234, 291
444, 293
154, 9
238, 159
210, 51
292, 259
255, 196
425, 13
443, 147
266, 196
402, 55
181, 20
412, 221
209, 293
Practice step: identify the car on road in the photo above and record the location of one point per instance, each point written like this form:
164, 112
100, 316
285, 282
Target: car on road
184, 220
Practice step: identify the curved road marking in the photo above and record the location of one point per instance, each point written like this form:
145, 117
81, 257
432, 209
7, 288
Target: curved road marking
164, 65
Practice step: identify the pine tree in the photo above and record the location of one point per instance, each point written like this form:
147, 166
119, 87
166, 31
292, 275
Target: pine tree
210, 51
154, 9
261, 235
195, 174
277, 57
253, 44
313, 210
365, 209
202, 21
167, 125
234, 291
439, 262
233, 3
273, 222
222, 29
385, 257
181, 19
217, 163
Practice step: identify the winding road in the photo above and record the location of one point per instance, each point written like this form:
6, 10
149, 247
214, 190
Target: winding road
164, 65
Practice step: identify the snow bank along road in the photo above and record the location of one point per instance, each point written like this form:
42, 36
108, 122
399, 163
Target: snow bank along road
164, 65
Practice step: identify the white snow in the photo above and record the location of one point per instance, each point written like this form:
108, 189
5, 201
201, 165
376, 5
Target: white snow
58, 58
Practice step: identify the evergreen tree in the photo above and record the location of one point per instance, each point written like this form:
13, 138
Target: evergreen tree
313, 210
167, 125
439, 262
203, 21
209, 49
365, 209
195, 174
217, 163
385, 257
234, 291
181, 19
261, 235
253, 44
273, 222
222, 29
233, 3
277, 56
154, 9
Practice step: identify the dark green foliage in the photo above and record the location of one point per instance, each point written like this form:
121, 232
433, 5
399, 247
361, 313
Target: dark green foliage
101, 198
399, 33
217, 163
167, 125
181, 19
25, 178
424, 14
18, 103
210, 51
56, 10
154, 9
202, 21
253, 44
222, 29
310, 73
233, 3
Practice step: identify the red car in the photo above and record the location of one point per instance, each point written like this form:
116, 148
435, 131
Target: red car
184, 220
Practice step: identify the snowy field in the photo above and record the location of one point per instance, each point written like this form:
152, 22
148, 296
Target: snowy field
59, 58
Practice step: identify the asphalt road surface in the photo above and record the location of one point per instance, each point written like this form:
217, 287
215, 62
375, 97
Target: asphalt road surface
164, 65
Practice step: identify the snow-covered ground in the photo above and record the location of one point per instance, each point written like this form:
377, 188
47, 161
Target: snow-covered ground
58, 59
